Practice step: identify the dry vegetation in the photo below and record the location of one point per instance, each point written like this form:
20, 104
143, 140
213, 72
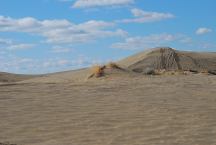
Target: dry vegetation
99, 71
113, 65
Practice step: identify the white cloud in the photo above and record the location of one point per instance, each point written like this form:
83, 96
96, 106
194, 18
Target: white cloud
95, 25
11, 63
62, 62
203, 30
54, 63
161, 40
145, 16
5, 41
8, 44
61, 31
206, 45
66, 0
150, 41
20, 46
57, 64
96, 3
15, 64
60, 49
25, 24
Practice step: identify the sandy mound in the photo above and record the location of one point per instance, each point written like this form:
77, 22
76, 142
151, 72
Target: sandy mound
9, 78
171, 60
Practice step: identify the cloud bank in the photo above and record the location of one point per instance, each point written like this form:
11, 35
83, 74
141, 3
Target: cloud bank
141, 16
61, 31
150, 41
202, 31
97, 3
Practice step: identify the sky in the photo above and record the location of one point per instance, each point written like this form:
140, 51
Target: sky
45, 36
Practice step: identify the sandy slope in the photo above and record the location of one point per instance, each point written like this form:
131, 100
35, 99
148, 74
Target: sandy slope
68, 76
9, 78
142, 110
170, 59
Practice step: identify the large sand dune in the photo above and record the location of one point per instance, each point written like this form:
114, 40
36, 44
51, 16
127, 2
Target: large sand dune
170, 59
120, 108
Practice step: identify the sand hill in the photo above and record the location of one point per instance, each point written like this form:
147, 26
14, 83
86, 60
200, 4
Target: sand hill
167, 59
170, 59
9, 78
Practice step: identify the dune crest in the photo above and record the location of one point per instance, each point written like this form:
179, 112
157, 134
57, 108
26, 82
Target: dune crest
171, 60
158, 61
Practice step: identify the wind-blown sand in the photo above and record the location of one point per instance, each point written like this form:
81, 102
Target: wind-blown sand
119, 109
164, 110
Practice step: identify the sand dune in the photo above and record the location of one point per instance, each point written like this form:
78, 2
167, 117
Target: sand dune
120, 108
157, 58
170, 59
9, 78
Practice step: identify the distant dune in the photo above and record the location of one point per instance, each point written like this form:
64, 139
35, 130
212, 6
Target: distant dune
9, 78
157, 59
170, 59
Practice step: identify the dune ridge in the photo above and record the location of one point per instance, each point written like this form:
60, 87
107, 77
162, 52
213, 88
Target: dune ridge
170, 59
157, 59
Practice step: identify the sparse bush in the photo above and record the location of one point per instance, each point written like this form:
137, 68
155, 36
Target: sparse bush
112, 65
98, 71
204, 71
159, 71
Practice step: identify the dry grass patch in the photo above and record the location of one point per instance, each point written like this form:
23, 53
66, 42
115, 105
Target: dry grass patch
204, 72
97, 71
170, 72
113, 65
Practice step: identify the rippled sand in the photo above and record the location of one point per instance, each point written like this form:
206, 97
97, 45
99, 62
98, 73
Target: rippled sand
142, 110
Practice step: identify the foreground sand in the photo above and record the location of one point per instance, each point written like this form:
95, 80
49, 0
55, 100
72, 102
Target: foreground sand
141, 110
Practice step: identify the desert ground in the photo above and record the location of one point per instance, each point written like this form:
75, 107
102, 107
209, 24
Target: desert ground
122, 108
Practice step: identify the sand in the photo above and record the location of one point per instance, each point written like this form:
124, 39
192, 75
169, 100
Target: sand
133, 110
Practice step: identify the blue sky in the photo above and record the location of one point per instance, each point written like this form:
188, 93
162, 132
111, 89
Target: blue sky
46, 36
